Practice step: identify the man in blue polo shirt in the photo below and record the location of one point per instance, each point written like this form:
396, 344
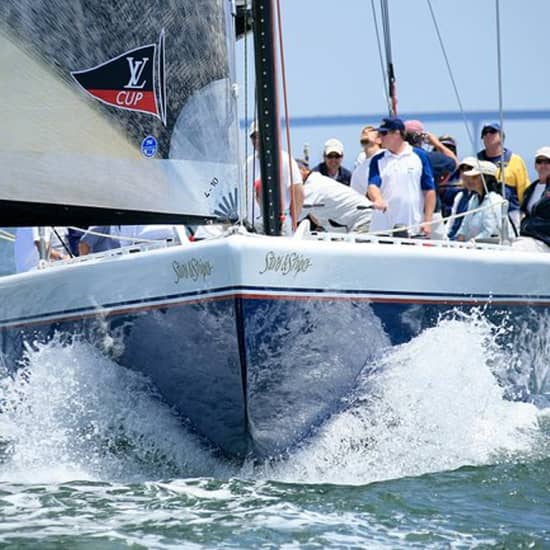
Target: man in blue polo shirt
401, 183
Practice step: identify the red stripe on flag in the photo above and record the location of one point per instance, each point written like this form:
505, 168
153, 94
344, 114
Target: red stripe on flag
135, 100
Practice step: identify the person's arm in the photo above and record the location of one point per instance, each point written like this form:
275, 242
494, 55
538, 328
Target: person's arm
438, 146
429, 207
298, 196
427, 184
375, 195
523, 181
375, 182
490, 217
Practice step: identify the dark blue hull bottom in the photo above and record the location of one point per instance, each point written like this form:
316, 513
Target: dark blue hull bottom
253, 375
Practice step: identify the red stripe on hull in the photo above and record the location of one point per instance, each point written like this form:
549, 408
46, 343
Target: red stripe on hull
288, 297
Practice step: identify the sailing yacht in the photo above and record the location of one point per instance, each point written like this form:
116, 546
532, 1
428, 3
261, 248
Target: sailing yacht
253, 339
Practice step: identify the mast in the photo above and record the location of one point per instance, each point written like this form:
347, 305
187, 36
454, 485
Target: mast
268, 114
392, 94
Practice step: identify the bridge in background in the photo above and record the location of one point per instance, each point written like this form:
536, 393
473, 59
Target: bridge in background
474, 118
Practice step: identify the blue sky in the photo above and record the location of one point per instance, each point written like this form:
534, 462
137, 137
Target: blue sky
333, 68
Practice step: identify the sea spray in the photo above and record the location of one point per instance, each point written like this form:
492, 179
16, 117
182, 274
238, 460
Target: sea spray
71, 413
429, 405
435, 403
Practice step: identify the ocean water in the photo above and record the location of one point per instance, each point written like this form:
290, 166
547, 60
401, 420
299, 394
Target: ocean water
431, 451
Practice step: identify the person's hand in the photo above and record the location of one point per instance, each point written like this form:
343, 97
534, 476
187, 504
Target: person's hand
426, 228
380, 204
57, 256
430, 138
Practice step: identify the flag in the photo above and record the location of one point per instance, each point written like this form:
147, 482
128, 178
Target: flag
128, 80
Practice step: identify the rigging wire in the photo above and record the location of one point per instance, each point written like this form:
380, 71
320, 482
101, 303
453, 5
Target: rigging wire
380, 55
467, 126
63, 243
287, 122
500, 107
451, 76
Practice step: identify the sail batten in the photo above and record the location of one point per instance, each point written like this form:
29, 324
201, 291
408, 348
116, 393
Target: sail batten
117, 107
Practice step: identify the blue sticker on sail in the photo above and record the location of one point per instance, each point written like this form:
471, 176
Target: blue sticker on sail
149, 147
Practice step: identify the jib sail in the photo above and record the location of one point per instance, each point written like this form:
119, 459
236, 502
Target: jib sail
117, 112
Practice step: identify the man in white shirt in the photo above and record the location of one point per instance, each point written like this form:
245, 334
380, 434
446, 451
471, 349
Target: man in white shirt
371, 143
326, 200
291, 181
401, 183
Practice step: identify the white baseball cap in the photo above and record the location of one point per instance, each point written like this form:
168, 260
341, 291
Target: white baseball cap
543, 152
334, 146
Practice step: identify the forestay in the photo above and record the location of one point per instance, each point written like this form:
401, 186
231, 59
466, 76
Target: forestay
117, 111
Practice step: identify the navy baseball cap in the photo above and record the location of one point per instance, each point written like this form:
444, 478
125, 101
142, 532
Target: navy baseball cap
492, 126
391, 124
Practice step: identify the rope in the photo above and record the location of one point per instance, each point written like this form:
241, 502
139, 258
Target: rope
246, 181
253, 213
287, 123
455, 88
451, 76
442, 220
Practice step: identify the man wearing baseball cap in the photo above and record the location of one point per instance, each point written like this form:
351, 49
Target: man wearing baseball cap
536, 202
516, 177
333, 155
401, 183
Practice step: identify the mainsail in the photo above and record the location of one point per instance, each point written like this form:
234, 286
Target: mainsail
117, 112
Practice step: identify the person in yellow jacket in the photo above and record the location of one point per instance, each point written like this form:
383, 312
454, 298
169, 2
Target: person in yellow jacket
516, 177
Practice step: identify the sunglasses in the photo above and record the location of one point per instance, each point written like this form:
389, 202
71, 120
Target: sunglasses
334, 156
489, 131
364, 141
542, 160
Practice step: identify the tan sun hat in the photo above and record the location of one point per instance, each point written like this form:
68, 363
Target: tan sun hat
482, 167
469, 161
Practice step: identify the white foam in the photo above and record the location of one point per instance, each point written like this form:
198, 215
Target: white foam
433, 404
74, 414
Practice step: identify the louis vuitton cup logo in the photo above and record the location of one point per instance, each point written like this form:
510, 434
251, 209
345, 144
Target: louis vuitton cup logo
134, 80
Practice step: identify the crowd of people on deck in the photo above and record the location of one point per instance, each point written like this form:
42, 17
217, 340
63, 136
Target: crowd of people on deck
405, 182
408, 182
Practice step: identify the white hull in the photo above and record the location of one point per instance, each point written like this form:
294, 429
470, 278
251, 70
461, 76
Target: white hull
255, 339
